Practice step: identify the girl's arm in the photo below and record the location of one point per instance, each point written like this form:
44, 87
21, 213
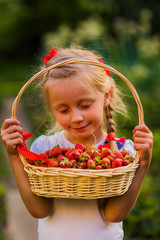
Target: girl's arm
118, 208
11, 136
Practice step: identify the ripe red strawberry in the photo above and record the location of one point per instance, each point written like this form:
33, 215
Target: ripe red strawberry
81, 165
106, 163
74, 154
125, 162
99, 167
45, 155
117, 163
129, 158
110, 158
53, 163
89, 148
65, 164
80, 146
84, 157
79, 150
104, 153
67, 153
113, 155
55, 151
124, 153
118, 154
48, 161
91, 164
61, 157
47, 152
73, 163
64, 150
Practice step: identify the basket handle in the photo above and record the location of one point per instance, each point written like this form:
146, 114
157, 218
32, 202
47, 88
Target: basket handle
81, 61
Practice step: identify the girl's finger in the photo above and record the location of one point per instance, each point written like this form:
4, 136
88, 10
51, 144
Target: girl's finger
140, 134
8, 122
141, 146
14, 136
142, 128
14, 128
11, 144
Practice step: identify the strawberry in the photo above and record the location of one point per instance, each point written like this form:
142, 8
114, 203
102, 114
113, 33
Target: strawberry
80, 146
73, 163
53, 163
55, 151
129, 158
104, 153
45, 155
106, 163
99, 167
48, 161
74, 154
40, 162
117, 163
79, 150
61, 157
97, 160
118, 154
124, 153
64, 150
125, 162
84, 157
110, 158
89, 148
65, 164
81, 165
68, 153
91, 164
113, 155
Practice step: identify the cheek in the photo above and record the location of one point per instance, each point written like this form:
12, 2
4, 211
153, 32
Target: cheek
62, 119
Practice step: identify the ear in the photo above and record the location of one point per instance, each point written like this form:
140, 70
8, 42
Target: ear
107, 98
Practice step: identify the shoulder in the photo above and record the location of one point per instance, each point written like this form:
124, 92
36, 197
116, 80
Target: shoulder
44, 142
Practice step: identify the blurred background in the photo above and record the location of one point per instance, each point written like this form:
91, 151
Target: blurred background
127, 35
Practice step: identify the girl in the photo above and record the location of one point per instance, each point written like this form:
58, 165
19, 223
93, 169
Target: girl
82, 99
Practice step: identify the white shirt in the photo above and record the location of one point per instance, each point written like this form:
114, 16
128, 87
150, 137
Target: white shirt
75, 219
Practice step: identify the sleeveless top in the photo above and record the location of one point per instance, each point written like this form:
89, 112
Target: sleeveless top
75, 219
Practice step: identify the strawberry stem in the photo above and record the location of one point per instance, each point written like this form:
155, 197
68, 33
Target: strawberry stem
95, 140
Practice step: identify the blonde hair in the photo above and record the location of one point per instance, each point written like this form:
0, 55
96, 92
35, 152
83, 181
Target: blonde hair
96, 76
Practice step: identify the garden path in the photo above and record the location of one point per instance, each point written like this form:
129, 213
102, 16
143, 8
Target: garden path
20, 224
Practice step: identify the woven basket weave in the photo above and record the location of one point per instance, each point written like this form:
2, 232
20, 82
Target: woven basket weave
80, 183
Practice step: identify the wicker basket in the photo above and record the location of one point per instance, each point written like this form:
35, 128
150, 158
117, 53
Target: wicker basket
80, 183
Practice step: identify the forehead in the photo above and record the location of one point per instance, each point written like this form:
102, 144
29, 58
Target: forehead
73, 86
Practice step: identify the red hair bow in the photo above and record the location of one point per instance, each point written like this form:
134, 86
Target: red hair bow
49, 55
107, 71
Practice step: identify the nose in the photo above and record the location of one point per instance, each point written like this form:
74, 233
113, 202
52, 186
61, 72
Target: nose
76, 116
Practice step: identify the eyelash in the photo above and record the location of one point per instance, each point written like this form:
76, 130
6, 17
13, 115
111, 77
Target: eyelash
85, 106
64, 111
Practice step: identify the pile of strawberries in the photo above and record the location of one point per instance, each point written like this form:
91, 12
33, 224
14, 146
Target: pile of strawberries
83, 157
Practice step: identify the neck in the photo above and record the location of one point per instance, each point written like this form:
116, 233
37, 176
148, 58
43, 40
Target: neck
86, 141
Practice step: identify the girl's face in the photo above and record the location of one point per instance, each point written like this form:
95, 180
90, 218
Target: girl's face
78, 108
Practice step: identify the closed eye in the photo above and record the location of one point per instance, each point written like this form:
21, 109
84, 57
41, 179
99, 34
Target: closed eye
85, 105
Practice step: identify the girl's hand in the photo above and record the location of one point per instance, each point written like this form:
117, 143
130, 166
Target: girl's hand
143, 141
11, 135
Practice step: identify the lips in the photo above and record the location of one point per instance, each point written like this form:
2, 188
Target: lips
81, 128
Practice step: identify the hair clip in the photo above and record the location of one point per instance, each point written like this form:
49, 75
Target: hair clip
49, 55
107, 71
